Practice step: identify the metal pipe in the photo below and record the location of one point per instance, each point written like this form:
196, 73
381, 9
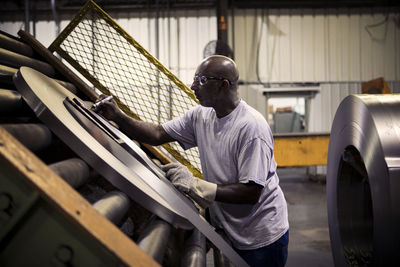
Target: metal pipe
74, 171
34, 136
27, 15
10, 101
6, 74
220, 260
114, 205
154, 239
16, 46
194, 254
55, 15
15, 60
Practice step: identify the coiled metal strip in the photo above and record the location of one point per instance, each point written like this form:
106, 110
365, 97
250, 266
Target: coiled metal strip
363, 181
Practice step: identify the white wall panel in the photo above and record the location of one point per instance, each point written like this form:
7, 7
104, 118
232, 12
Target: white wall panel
354, 48
273, 46
319, 48
338, 48
12, 27
296, 45
321, 45
324, 105
182, 36
308, 54
310, 45
285, 52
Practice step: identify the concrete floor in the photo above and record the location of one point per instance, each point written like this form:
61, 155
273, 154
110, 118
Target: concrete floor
309, 243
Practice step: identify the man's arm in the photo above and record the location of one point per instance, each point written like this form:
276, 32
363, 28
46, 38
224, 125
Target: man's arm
145, 132
204, 192
239, 193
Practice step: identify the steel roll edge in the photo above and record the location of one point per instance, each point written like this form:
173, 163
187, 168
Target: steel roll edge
363, 181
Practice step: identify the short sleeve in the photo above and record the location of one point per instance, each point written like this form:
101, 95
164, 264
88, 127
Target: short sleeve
182, 129
254, 162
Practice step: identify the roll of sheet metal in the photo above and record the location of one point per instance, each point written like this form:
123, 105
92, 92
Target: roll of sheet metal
363, 181
154, 238
15, 46
10, 101
74, 171
6, 74
15, 60
114, 205
34, 136
105, 152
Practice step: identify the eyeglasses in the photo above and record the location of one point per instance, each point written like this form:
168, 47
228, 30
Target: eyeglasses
204, 79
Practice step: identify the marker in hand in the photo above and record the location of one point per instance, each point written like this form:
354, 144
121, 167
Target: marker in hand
108, 98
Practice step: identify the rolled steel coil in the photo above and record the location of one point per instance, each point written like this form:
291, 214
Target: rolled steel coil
363, 181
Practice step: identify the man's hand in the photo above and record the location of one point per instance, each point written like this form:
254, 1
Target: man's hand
108, 109
202, 192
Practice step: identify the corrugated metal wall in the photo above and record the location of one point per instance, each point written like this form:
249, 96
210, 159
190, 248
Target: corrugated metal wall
317, 45
339, 48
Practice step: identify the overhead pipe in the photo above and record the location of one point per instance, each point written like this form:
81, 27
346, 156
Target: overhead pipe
27, 15
55, 15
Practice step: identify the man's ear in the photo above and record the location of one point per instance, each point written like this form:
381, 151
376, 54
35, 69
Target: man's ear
225, 84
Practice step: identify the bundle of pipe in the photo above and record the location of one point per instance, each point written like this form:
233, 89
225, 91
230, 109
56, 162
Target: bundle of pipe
363, 181
36, 136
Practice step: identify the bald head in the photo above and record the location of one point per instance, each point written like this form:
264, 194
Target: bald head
220, 66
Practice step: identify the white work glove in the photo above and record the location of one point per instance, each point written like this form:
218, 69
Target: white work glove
202, 192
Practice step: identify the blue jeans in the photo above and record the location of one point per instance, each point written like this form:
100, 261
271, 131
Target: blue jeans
273, 255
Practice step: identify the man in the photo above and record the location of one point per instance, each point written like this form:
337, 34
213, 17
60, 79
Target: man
240, 185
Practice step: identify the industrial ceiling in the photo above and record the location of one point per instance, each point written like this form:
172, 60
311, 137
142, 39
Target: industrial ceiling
11, 6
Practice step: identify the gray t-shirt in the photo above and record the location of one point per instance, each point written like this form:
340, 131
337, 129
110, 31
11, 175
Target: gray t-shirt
237, 148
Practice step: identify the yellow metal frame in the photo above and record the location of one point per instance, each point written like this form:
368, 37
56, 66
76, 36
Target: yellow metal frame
90, 5
56, 47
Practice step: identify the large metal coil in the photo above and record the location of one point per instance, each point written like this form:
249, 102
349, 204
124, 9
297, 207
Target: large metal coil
363, 181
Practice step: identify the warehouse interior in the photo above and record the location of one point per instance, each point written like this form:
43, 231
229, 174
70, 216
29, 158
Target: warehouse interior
75, 191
